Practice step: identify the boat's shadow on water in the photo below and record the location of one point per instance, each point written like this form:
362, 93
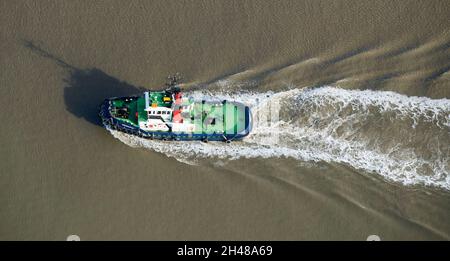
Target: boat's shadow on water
85, 89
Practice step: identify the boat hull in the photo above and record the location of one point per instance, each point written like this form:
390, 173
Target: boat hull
113, 123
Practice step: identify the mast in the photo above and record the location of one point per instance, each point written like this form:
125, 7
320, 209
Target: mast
172, 84
147, 101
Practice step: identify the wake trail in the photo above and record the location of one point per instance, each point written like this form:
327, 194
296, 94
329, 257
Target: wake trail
404, 139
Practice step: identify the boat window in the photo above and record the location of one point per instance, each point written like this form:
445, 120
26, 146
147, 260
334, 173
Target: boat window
159, 112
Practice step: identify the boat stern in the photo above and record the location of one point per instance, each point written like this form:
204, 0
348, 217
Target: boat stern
247, 123
238, 121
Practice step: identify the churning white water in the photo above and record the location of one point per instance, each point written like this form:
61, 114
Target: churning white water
404, 139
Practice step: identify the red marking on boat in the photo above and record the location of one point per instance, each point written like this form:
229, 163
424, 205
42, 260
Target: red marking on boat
178, 98
177, 116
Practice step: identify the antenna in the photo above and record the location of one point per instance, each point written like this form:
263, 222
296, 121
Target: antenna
172, 82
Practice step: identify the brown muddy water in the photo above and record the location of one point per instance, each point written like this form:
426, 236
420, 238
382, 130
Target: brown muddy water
361, 145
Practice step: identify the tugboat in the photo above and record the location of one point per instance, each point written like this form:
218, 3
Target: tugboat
168, 115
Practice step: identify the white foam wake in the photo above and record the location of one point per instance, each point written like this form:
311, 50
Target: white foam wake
404, 139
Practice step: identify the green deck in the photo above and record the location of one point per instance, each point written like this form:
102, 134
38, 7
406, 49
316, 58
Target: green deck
132, 110
142, 114
228, 117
